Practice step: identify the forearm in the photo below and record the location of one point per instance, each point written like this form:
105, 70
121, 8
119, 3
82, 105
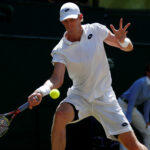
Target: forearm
50, 84
55, 81
45, 88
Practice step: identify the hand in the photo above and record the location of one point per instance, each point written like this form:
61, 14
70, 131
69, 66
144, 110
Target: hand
121, 33
33, 100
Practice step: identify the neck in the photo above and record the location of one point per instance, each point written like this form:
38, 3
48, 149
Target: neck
74, 36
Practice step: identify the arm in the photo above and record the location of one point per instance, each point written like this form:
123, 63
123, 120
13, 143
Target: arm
55, 81
118, 38
57, 77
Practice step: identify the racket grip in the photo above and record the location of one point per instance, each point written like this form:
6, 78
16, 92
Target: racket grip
23, 107
26, 105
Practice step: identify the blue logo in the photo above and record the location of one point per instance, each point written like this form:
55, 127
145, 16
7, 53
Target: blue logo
67, 9
124, 124
90, 36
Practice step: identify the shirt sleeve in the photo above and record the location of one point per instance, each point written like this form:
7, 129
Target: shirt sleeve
146, 111
134, 92
101, 30
57, 57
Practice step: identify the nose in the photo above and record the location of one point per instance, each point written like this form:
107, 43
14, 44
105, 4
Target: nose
69, 24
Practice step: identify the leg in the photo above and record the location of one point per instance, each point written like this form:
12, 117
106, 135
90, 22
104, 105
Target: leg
138, 122
115, 123
64, 115
129, 140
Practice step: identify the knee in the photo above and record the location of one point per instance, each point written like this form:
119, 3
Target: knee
63, 115
60, 117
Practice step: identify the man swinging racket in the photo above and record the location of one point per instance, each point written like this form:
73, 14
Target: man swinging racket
82, 52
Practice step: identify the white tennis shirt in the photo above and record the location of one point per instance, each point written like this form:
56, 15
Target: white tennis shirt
86, 62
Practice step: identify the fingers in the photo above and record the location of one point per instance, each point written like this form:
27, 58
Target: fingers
120, 26
126, 32
121, 23
126, 26
113, 28
30, 106
34, 100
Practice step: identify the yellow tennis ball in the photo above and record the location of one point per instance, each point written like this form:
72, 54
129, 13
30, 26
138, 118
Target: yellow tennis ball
54, 93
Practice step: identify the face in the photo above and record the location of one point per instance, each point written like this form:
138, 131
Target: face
72, 25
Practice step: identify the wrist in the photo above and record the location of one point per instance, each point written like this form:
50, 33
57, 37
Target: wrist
44, 89
125, 43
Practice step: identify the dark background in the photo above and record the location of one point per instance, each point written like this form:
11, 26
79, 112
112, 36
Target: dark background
28, 33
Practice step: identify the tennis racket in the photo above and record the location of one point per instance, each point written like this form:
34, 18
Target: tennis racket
5, 122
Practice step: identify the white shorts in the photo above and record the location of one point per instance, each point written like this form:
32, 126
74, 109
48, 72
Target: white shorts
107, 112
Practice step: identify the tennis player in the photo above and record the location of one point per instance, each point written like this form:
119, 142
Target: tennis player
81, 51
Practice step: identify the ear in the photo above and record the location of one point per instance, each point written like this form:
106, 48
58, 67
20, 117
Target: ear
81, 16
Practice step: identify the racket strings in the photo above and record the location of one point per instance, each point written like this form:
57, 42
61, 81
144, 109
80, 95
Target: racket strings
4, 124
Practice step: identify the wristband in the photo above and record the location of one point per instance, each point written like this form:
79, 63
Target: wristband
125, 43
44, 89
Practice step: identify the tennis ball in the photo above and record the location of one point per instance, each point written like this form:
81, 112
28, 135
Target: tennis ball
54, 93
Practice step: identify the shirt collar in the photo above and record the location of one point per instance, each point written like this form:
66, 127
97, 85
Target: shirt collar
66, 41
69, 42
148, 80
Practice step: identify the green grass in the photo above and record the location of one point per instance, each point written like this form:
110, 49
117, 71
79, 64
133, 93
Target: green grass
124, 4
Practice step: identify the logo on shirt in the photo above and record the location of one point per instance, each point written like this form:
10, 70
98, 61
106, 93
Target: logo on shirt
67, 9
90, 36
124, 124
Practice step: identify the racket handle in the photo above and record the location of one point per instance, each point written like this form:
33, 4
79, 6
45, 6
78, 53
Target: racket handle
25, 105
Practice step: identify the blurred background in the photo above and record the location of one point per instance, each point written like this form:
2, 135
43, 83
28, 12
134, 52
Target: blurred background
29, 29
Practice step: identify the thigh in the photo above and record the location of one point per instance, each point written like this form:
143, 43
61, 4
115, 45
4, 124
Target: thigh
65, 112
112, 118
137, 118
81, 105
